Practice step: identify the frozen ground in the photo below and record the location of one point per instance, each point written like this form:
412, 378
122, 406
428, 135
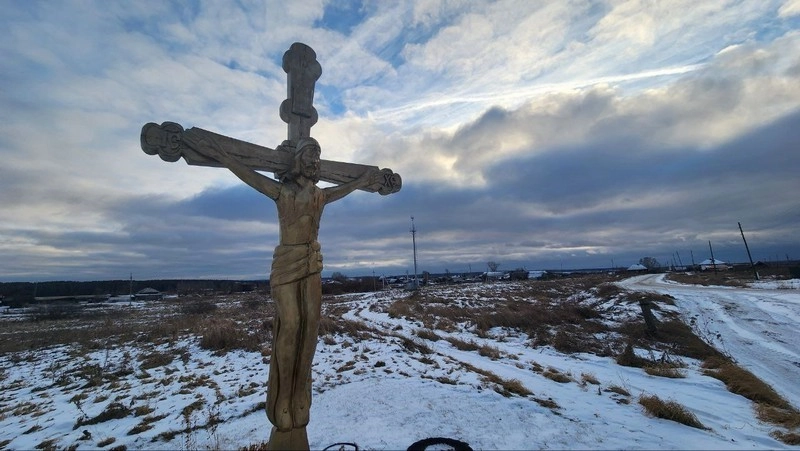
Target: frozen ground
384, 387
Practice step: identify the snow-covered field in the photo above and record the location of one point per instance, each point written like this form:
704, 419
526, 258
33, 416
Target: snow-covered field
381, 383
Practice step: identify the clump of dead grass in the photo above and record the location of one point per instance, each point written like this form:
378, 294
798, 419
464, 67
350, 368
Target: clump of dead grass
506, 387
509, 387
262, 446
401, 308
629, 358
663, 369
707, 278
463, 345
341, 326
669, 410
608, 290
788, 418
547, 403
555, 375
113, 411
491, 352
618, 390
742, 382
589, 378
225, 335
155, 359
414, 346
790, 438
106, 441
770, 406
427, 334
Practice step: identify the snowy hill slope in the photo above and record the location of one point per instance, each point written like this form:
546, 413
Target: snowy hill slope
497, 366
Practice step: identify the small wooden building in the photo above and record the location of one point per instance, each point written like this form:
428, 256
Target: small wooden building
148, 294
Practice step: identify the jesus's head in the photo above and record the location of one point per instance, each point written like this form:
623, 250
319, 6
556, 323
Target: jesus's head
305, 162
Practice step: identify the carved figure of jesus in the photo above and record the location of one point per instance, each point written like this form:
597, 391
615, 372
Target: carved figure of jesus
295, 279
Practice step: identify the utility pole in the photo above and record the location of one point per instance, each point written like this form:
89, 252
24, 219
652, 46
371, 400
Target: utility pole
692, 254
713, 261
755, 273
414, 242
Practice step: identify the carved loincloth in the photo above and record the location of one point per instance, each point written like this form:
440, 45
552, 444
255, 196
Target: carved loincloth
291, 263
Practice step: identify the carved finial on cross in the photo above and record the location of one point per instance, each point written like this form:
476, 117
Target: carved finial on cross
302, 70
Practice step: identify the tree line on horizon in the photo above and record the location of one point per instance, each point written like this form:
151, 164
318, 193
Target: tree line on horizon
17, 293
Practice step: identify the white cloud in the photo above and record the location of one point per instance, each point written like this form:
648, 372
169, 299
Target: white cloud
790, 8
443, 92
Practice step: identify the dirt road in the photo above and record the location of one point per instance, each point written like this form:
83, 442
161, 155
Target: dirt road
759, 328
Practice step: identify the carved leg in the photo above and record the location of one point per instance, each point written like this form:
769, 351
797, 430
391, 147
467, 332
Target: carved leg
273, 383
284, 356
310, 306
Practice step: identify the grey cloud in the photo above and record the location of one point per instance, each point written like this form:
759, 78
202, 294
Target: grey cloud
565, 172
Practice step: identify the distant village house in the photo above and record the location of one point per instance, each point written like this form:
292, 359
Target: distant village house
710, 264
148, 294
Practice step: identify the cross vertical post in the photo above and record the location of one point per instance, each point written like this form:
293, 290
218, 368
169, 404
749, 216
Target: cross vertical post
302, 72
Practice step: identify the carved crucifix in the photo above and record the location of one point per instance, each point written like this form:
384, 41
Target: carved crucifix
295, 279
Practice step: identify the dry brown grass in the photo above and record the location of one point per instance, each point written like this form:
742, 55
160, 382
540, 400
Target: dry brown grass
113, 411
510, 387
262, 446
557, 376
155, 359
427, 334
740, 381
618, 390
225, 335
589, 378
532, 307
547, 403
608, 290
162, 321
722, 278
669, 410
629, 358
401, 308
788, 418
491, 352
664, 370
506, 387
648, 296
106, 442
463, 345
790, 438
331, 324
415, 346
770, 406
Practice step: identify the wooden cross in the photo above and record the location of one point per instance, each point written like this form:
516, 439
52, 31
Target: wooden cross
295, 280
171, 142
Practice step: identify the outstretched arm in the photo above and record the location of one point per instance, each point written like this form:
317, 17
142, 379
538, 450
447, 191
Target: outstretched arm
259, 182
335, 193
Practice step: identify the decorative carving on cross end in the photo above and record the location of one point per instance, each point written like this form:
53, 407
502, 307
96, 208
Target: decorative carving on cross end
302, 71
165, 140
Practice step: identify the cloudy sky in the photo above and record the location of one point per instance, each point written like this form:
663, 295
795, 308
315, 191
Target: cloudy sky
543, 134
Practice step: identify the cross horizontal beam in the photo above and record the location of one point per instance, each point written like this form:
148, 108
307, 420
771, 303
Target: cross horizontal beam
171, 142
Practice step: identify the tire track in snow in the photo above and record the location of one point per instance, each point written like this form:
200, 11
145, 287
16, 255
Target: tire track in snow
759, 328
